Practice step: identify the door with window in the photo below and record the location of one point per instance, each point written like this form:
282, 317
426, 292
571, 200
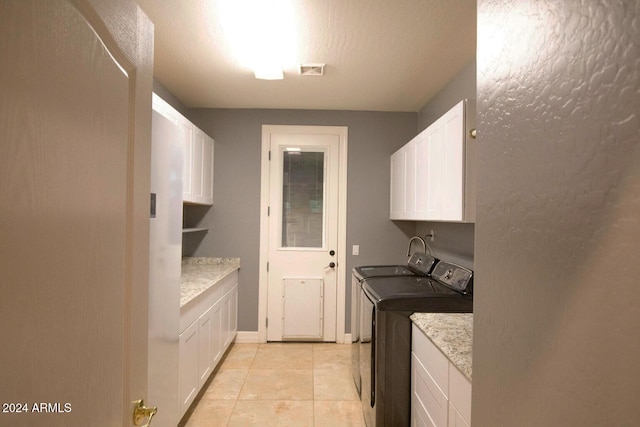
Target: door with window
303, 233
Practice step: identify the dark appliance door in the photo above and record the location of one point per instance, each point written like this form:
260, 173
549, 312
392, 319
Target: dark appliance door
355, 331
367, 358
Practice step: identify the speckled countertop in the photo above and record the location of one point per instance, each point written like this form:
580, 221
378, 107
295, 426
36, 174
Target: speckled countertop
200, 273
452, 333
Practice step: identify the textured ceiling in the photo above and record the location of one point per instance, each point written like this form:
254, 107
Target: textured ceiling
380, 55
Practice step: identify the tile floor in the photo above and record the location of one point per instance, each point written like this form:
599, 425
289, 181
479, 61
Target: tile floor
288, 384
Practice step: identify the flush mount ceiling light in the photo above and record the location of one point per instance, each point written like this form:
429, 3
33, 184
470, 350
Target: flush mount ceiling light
260, 34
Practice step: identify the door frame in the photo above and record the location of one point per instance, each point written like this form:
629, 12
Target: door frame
263, 279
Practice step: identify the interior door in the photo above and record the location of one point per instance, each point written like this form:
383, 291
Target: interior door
303, 236
75, 125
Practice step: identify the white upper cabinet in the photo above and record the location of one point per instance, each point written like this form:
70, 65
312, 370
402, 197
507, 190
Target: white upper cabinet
197, 171
433, 176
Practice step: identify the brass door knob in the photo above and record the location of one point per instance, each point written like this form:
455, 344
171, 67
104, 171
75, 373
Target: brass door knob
140, 412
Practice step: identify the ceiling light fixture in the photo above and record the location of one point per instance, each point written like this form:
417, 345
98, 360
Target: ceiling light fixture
260, 34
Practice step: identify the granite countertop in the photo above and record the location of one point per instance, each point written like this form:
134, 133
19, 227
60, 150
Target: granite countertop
452, 333
200, 273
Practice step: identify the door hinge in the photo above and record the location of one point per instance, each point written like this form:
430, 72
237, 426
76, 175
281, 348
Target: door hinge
267, 266
269, 155
268, 210
267, 322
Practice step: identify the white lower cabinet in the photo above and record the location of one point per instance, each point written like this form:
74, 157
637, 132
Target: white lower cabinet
209, 326
440, 393
188, 367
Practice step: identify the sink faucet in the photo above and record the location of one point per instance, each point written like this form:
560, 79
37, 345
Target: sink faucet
421, 240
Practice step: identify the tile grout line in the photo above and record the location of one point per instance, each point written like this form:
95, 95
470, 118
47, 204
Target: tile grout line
235, 405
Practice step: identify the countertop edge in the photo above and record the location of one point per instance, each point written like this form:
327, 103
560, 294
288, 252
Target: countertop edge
201, 274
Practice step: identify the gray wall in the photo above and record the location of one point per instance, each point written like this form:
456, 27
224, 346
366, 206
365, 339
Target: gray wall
557, 318
453, 242
234, 219
164, 93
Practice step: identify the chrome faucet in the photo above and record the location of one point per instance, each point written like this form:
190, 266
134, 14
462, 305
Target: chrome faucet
424, 245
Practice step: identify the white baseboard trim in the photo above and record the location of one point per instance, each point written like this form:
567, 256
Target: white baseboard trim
247, 337
251, 337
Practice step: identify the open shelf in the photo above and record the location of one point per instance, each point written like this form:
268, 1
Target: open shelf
194, 230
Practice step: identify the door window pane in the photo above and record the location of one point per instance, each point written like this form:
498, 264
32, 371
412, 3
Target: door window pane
303, 199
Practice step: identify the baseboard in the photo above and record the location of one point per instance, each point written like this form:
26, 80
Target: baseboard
247, 337
251, 337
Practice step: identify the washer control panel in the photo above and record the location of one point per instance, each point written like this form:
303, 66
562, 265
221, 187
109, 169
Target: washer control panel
454, 276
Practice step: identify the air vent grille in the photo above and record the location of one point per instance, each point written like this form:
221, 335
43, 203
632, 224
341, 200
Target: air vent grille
311, 69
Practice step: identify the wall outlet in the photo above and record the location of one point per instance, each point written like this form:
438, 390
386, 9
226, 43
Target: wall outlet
355, 250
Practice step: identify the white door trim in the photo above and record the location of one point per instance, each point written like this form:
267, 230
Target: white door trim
342, 131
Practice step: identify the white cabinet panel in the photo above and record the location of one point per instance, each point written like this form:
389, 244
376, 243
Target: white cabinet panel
212, 325
188, 367
455, 418
205, 346
423, 177
187, 157
217, 348
452, 164
198, 168
459, 399
198, 155
428, 394
433, 175
397, 195
207, 170
440, 393
233, 312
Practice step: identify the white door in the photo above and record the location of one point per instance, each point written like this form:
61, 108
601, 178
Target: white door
303, 264
75, 132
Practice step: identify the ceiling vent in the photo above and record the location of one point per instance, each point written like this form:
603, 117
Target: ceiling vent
311, 69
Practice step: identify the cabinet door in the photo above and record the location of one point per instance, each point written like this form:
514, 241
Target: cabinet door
197, 183
419, 416
455, 418
397, 184
198, 168
452, 164
205, 346
187, 160
423, 180
459, 398
426, 394
207, 170
188, 371
233, 313
410, 170
428, 174
226, 321
433, 166
217, 349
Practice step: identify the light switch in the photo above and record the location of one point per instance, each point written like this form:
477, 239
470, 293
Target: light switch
355, 250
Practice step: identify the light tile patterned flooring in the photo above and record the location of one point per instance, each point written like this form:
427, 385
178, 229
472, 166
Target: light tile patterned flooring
288, 384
